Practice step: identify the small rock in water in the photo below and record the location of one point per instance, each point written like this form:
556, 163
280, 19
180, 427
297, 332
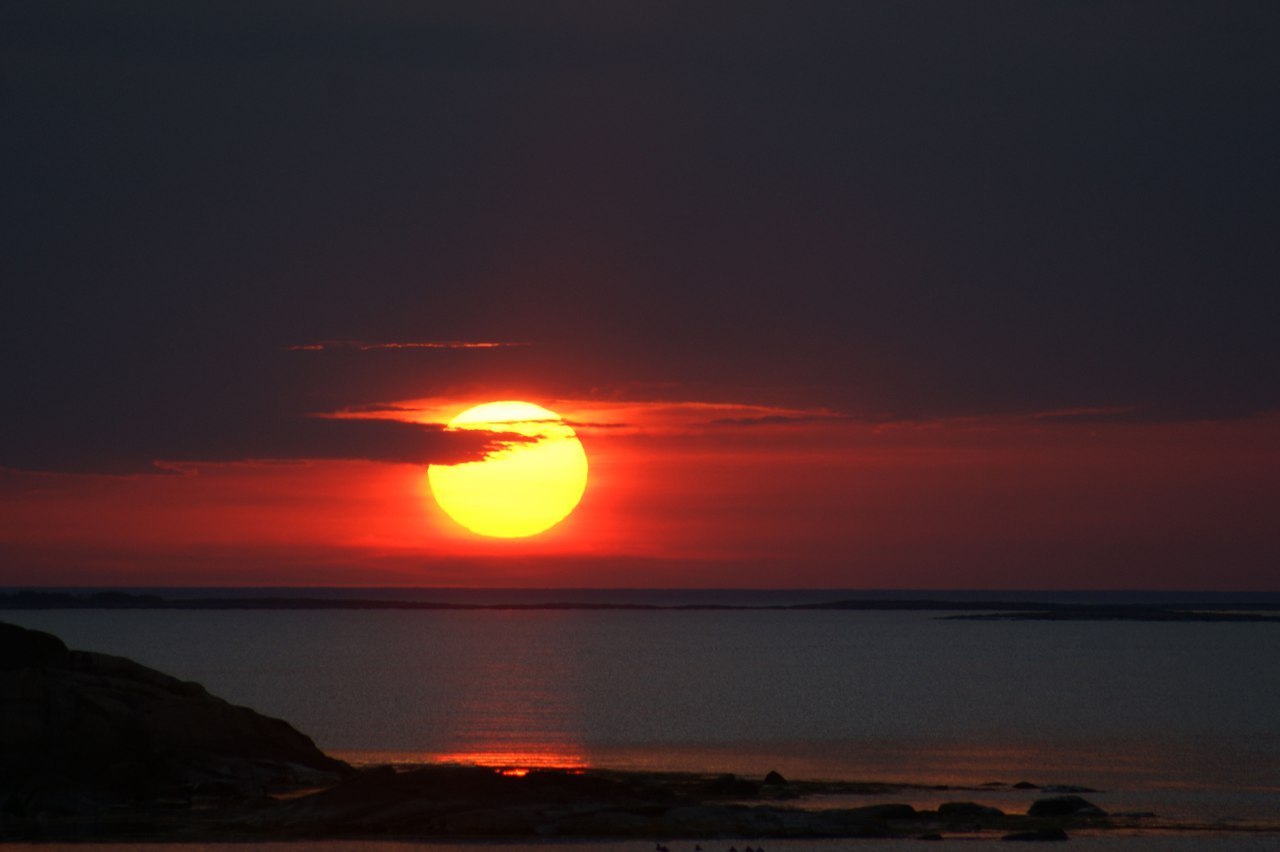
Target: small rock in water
888, 811
1041, 835
967, 809
1065, 806
774, 779
1026, 785
1067, 788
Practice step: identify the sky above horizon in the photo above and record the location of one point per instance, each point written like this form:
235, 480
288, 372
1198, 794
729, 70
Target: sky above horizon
904, 295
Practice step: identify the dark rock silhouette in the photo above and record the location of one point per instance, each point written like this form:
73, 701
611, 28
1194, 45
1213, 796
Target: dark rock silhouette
891, 811
83, 732
451, 799
731, 786
20, 648
774, 779
477, 802
952, 810
1064, 806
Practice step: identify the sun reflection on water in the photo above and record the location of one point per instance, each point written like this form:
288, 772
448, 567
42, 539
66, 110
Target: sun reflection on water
515, 762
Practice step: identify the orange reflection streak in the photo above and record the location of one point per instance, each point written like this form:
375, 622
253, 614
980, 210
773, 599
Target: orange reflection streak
517, 762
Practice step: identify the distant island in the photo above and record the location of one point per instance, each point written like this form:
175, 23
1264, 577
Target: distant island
993, 610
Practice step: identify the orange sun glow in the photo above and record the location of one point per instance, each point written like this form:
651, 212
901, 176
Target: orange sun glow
525, 488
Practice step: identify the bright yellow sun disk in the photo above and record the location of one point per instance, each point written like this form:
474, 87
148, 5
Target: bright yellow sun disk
521, 490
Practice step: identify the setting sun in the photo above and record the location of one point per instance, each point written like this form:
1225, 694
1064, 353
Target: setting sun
525, 488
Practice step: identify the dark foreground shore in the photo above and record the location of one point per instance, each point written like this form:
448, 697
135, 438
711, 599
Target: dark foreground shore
97, 748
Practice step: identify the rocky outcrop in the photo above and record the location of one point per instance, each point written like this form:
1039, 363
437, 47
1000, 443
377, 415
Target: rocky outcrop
962, 810
1064, 806
463, 800
730, 787
1067, 788
81, 733
477, 802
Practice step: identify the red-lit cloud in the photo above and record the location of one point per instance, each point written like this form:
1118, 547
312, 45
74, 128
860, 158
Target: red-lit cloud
676, 497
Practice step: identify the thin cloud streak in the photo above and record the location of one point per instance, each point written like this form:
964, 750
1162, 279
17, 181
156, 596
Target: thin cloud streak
780, 419
614, 416
1091, 414
363, 346
693, 417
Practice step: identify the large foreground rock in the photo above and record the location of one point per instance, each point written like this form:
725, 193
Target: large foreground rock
83, 732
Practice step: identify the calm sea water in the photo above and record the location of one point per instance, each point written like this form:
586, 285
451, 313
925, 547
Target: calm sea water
1181, 719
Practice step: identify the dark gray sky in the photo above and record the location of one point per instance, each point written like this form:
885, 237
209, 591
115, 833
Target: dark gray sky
898, 209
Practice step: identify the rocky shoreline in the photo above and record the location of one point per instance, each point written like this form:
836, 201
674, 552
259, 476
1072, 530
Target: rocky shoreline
434, 801
95, 747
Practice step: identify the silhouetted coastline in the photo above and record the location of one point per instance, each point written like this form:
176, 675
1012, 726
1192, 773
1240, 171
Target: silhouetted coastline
100, 748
